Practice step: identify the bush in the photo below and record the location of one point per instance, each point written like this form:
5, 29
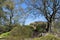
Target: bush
2, 29
41, 27
20, 32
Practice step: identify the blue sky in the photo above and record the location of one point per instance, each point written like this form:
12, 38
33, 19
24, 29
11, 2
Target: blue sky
19, 6
29, 20
25, 8
23, 5
41, 18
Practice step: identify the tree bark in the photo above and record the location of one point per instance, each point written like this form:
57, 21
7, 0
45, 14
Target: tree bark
49, 25
10, 20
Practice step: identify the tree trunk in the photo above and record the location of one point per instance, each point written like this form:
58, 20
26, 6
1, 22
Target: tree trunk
49, 25
10, 20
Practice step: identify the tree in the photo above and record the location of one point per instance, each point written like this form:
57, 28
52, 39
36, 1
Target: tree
9, 14
2, 14
48, 8
8, 5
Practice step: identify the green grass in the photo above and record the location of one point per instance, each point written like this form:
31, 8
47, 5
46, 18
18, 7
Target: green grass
4, 35
19, 33
47, 37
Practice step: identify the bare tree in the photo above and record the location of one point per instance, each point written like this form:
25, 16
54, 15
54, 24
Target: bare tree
2, 14
8, 6
48, 8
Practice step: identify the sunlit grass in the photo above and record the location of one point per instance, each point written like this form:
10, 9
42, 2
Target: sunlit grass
4, 35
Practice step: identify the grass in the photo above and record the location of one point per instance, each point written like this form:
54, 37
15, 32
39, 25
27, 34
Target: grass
4, 35
47, 37
24, 33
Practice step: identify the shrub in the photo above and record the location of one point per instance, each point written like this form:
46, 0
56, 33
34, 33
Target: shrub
20, 32
41, 27
2, 29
